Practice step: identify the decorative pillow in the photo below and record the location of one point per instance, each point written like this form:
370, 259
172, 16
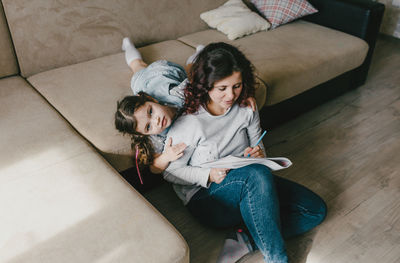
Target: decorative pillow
235, 19
279, 12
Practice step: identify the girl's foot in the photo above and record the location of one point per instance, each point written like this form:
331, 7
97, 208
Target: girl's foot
131, 53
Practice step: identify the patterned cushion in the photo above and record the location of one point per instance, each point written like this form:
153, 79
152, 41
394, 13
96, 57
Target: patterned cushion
279, 12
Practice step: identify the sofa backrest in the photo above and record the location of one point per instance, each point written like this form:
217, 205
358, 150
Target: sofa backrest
52, 33
8, 62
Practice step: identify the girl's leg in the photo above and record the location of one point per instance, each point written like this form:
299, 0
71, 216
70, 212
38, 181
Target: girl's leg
300, 208
137, 65
191, 59
132, 56
247, 194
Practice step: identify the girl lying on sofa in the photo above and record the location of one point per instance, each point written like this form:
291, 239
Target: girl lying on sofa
158, 100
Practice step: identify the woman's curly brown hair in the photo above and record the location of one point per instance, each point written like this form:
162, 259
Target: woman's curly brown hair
215, 62
126, 123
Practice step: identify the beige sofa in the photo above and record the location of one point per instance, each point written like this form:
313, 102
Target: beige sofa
62, 196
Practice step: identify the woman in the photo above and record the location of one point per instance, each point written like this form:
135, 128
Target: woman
214, 126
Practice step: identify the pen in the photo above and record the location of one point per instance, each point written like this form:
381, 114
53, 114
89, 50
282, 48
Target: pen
259, 140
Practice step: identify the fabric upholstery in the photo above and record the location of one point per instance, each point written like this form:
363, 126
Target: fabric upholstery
8, 62
261, 92
235, 19
86, 94
61, 202
205, 242
295, 57
280, 12
51, 34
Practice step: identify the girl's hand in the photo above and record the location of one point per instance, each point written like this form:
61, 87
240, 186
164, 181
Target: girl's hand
217, 175
252, 103
255, 152
173, 152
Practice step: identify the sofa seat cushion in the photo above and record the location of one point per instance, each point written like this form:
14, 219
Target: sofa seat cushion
205, 242
294, 57
61, 201
8, 62
86, 94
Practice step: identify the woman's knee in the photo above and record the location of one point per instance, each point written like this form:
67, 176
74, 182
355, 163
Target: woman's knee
259, 175
321, 210
317, 208
293, 193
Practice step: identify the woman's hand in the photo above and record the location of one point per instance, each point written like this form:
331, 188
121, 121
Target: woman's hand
251, 101
254, 152
173, 152
217, 175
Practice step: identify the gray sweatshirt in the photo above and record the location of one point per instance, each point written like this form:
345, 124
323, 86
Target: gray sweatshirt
209, 138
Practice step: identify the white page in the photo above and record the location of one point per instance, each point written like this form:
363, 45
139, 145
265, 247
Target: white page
233, 162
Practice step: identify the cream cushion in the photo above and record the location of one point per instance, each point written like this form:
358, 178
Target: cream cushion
235, 19
291, 63
86, 94
61, 202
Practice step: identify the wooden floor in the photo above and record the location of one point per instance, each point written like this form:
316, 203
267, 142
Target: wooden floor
348, 151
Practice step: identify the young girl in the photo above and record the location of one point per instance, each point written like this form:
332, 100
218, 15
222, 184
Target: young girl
157, 102
215, 126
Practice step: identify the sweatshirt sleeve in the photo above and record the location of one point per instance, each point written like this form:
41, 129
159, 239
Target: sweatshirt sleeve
254, 130
179, 171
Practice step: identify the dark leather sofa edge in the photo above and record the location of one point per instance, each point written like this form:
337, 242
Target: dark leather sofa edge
360, 18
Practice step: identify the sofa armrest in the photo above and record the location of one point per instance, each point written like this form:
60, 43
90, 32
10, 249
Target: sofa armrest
360, 18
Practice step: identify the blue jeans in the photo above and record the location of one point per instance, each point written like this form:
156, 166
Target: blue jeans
271, 207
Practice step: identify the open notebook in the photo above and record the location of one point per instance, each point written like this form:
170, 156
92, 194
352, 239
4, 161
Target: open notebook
233, 162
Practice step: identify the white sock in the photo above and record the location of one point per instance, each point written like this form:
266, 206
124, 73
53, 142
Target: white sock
193, 57
235, 247
131, 53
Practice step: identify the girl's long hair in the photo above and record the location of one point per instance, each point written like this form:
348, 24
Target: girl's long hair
126, 123
215, 62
